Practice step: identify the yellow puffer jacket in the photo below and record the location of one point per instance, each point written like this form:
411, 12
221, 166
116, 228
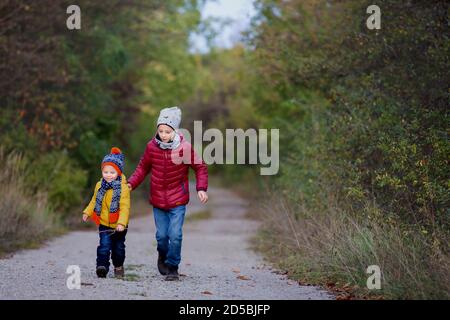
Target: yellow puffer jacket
125, 204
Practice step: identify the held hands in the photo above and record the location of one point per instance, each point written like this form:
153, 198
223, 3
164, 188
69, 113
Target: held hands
203, 196
85, 217
130, 187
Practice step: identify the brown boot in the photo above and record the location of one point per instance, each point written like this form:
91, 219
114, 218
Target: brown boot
162, 267
173, 273
119, 272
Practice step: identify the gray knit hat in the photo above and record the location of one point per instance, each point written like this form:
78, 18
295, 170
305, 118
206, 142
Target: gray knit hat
170, 117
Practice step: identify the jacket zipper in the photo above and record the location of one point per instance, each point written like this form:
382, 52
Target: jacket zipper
182, 186
165, 175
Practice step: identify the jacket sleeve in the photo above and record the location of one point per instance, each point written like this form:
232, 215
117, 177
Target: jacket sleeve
90, 207
125, 204
201, 170
142, 169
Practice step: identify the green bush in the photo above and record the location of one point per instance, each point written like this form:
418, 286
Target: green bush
363, 119
61, 178
387, 98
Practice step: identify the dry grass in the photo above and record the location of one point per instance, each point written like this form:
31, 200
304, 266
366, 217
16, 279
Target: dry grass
334, 247
26, 219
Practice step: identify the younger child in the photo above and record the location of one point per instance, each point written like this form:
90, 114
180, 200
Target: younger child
109, 208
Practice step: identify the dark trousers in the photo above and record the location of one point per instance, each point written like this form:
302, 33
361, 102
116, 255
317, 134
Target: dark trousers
112, 244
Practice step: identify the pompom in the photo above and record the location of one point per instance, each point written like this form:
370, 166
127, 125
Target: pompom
115, 150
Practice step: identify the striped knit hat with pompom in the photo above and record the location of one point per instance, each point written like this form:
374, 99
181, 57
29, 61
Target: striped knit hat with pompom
115, 159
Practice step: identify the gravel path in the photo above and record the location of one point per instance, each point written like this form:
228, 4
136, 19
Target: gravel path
216, 262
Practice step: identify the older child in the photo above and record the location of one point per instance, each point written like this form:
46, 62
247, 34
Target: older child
169, 186
109, 208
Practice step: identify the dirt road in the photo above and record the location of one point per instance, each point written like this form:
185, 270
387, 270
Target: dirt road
217, 262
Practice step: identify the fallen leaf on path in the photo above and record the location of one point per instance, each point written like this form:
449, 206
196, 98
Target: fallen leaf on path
236, 270
206, 292
243, 277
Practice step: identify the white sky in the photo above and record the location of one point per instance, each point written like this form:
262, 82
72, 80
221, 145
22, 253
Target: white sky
240, 11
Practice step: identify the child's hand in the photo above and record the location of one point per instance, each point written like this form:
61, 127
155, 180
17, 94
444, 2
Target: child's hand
120, 228
130, 187
85, 217
203, 196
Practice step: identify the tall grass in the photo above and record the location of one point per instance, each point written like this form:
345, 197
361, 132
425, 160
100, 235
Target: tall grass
25, 217
335, 245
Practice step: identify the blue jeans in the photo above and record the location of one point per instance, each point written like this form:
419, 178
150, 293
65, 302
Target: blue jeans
111, 244
169, 233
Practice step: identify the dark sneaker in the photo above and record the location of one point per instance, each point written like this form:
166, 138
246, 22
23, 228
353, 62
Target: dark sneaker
162, 267
101, 272
119, 272
173, 274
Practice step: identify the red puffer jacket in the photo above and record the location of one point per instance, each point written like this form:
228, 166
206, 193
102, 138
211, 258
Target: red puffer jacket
169, 178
